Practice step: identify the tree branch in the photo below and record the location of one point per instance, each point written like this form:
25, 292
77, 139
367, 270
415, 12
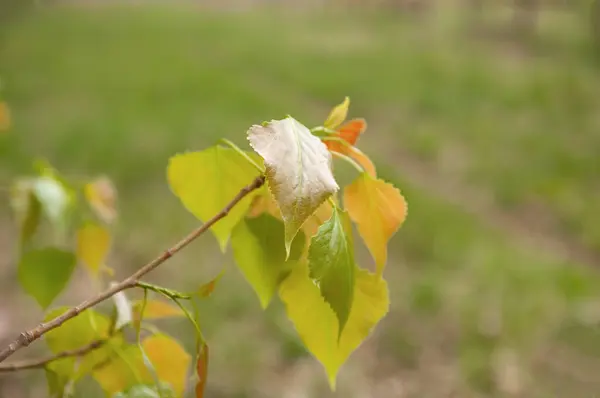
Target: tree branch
29, 336
41, 362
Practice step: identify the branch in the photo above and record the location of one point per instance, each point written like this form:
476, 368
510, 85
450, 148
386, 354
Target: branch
41, 362
29, 336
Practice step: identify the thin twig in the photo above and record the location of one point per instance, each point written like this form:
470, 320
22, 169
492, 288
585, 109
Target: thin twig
41, 362
29, 336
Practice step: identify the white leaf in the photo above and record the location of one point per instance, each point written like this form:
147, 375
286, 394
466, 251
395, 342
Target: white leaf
124, 312
298, 170
53, 197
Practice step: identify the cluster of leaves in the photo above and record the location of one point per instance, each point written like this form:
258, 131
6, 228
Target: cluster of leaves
62, 225
293, 237
290, 238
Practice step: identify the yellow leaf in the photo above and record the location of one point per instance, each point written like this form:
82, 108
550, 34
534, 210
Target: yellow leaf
102, 197
4, 116
93, 244
378, 208
337, 115
156, 309
362, 159
88, 327
206, 181
126, 367
259, 252
317, 324
264, 203
170, 361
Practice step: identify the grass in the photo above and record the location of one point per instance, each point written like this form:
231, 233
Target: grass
119, 90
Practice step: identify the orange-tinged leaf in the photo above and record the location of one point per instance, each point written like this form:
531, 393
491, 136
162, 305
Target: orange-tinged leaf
202, 370
352, 129
349, 132
121, 371
378, 208
4, 116
362, 159
207, 289
102, 197
126, 368
156, 309
93, 244
337, 115
171, 362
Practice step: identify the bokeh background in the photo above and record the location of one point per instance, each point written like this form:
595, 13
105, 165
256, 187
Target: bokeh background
486, 114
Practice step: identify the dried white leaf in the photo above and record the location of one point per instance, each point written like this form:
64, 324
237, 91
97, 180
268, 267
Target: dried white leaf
298, 170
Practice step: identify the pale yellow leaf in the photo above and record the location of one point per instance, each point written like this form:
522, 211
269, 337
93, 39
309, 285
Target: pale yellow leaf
264, 203
337, 115
298, 170
93, 245
102, 197
206, 181
170, 361
317, 324
126, 367
363, 160
378, 208
156, 309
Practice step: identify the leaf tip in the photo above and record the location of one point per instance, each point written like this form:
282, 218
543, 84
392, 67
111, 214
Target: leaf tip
332, 381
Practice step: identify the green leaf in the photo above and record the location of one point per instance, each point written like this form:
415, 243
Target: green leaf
332, 266
259, 252
207, 181
56, 382
44, 273
317, 324
27, 209
78, 332
298, 170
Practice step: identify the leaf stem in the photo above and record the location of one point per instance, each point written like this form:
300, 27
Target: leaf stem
349, 160
29, 336
321, 131
191, 319
172, 294
242, 153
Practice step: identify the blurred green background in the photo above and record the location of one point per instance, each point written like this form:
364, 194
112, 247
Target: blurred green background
491, 131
